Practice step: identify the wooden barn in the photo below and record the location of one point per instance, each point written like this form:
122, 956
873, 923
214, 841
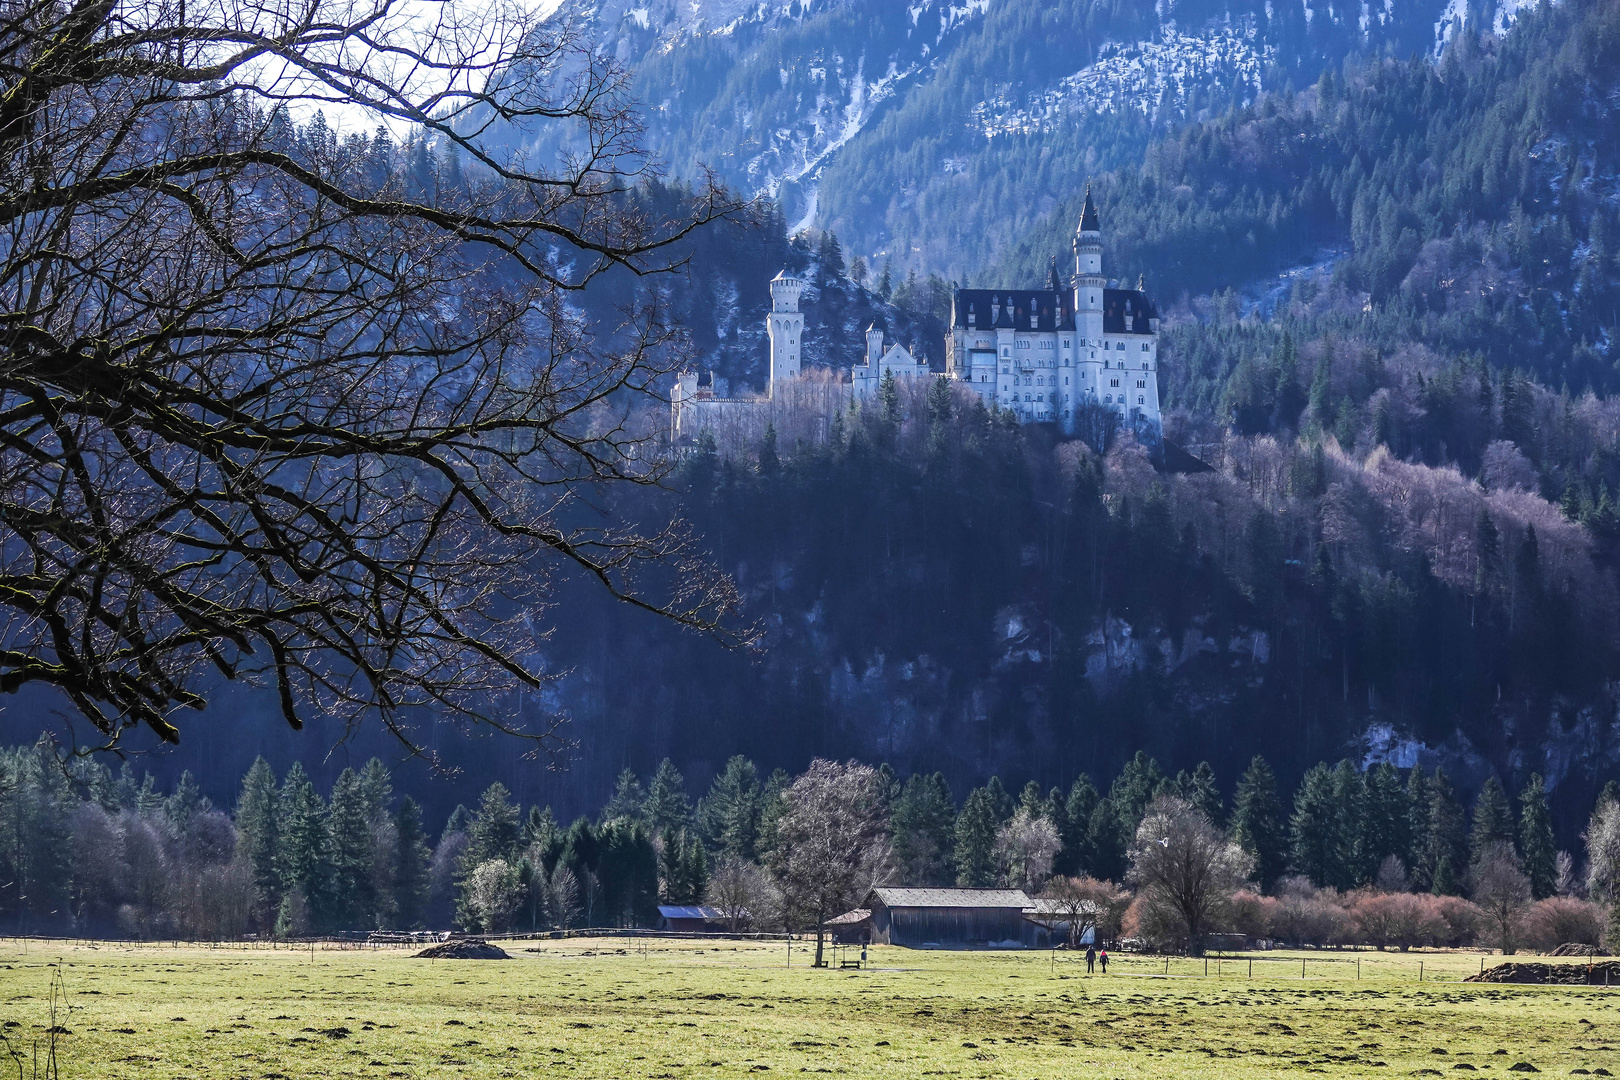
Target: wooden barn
690, 918
951, 918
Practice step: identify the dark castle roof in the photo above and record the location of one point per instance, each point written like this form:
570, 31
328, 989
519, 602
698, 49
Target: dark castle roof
1089, 221
1127, 311
1054, 308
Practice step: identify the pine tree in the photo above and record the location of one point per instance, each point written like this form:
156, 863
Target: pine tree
1493, 821
1350, 802
495, 830
1001, 800
923, 825
694, 869
730, 811
1076, 855
1417, 806
885, 281
1105, 837
769, 462
976, 828
353, 885
258, 830
667, 804
458, 822
304, 855
1257, 821
889, 398
542, 837
1131, 792
1033, 802
149, 801
772, 805
1446, 844
1204, 793
629, 798
1536, 841
411, 864
184, 803
1314, 828
1386, 823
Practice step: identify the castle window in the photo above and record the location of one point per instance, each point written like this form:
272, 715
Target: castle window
1144, 365
1094, 354
1040, 380
1144, 346
1108, 398
1065, 380
972, 319
1140, 385
1065, 343
1006, 351
1113, 382
1141, 401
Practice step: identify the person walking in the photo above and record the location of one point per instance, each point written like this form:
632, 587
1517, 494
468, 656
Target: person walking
1103, 956
1091, 959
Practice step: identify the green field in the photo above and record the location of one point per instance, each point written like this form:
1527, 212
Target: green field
664, 1009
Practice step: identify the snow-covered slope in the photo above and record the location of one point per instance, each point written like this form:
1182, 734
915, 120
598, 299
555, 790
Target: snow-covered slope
878, 119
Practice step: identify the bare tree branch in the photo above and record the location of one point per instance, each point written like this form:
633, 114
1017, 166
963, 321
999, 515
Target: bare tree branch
282, 405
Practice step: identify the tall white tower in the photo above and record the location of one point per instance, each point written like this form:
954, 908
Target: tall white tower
1088, 276
785, 325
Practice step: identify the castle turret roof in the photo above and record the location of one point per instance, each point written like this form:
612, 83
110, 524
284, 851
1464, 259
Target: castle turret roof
1088, 215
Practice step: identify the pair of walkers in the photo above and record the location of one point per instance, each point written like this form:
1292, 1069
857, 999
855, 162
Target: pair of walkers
1092, 956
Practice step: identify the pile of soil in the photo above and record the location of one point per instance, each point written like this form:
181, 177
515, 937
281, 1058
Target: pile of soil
464, 949
1602, 974
1577, 948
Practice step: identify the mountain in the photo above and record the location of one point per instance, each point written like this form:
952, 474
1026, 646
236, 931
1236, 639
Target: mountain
933, 134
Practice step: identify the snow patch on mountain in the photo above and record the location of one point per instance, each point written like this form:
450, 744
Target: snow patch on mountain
1148, 76
1455, 16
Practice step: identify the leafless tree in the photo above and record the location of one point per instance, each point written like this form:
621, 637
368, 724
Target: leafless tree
739, 890
1082, 904
832, 843
1025, 848
1184, 868
316, 410
1502, 892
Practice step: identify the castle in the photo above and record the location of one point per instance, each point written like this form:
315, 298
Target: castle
1047, 355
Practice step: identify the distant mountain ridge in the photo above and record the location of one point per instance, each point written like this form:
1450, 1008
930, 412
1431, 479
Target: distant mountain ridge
932, 134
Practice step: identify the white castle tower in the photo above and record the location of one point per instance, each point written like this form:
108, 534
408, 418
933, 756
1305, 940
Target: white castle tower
785, 325
1088, 276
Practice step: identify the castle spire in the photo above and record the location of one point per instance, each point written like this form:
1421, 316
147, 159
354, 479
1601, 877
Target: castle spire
1088, 214
1052, 282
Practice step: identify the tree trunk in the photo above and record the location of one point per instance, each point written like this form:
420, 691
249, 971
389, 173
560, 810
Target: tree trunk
821, 929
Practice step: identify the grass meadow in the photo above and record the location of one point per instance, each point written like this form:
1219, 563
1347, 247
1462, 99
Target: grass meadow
662, 1010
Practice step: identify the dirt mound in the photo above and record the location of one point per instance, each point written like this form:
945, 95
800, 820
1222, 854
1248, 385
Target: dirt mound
1603, 974
465, 949
1577, 948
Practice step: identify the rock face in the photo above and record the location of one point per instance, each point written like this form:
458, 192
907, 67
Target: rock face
465, 949
1603, 974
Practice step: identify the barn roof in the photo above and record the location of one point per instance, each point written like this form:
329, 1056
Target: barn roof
851, 918
950, 898
689, 911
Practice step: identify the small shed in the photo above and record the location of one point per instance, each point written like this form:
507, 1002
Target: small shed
690, 918
951, 918
852, 927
